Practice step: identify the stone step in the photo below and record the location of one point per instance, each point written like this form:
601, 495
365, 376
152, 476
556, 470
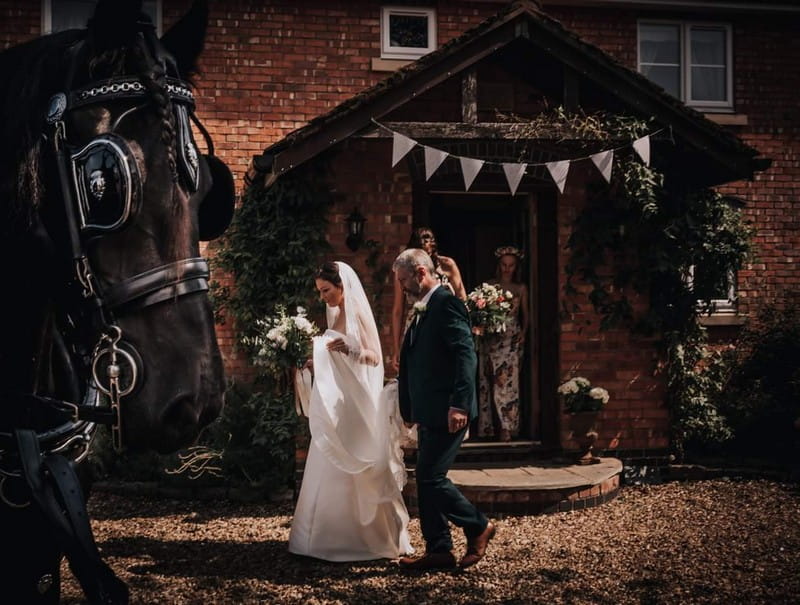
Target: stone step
536, 487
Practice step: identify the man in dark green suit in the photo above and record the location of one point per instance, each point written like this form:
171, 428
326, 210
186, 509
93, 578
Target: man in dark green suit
437, 393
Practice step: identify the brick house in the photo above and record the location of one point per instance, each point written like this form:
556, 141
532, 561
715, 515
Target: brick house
288, 82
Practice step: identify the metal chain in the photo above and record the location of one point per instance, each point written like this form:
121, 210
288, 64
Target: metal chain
108, 345
130, 86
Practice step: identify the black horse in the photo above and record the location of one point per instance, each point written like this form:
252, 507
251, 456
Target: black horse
104, 197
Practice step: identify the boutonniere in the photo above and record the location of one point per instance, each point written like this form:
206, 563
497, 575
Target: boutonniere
419, 310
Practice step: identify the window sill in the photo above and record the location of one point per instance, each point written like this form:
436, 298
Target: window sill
727, 119
722, 319
389, 64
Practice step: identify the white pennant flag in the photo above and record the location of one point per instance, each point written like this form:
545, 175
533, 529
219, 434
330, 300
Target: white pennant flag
604, 162
642, 147
401, 145
470, 167
433, 159
514, 174
558, 170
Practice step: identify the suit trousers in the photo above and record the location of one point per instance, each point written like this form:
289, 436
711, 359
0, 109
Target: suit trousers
438, 499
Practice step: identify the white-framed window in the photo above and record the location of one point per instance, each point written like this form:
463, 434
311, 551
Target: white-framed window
724, 300
691, 61
407, 32
58, 15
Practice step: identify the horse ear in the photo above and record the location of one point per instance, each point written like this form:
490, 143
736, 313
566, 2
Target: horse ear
184, 40
114, 23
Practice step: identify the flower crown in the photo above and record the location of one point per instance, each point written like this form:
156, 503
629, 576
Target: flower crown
503, 250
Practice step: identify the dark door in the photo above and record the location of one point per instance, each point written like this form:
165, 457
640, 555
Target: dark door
469, 227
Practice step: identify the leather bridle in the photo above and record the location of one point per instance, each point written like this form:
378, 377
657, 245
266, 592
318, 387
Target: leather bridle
42, 438
111, 357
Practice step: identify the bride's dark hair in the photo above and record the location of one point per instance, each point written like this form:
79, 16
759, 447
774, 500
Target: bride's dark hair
329, 272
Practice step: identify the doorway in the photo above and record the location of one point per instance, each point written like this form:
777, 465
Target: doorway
469, 227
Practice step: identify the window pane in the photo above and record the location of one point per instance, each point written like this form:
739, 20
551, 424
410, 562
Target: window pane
659, 44
668, 78
408, 31
720, 290
708, 84
73, 14
708, 46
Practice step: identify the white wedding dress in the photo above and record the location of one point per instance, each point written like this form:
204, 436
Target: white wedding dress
350, 506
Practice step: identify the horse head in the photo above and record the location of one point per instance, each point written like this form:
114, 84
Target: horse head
110, 200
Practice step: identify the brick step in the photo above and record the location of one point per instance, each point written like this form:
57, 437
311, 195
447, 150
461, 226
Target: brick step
536, 487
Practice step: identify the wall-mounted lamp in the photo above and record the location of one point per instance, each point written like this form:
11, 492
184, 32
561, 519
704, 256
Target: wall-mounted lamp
355, 230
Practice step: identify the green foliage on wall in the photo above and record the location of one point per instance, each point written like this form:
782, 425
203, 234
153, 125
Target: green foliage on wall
643, 234
272, 250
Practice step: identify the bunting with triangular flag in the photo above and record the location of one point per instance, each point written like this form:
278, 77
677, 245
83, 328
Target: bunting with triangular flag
470, 168
401, 145
604, 162
514, 171
514, 174
558, 170
642, 147
433, 159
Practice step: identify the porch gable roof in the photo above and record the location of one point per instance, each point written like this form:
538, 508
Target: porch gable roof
522, 19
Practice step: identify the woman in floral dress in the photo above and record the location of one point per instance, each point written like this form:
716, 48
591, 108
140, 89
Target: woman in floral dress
501, 354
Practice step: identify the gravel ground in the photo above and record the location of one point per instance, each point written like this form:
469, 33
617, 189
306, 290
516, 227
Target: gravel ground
702, 542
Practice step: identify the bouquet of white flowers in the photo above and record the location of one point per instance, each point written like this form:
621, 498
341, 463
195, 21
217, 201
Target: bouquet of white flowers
580, 396
489, 309
283, 341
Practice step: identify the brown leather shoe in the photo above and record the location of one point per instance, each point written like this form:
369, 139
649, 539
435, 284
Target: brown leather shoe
476, 547
431, 560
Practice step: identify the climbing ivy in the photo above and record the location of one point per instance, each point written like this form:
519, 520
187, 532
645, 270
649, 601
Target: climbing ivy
380, 270
272, 250
643, 234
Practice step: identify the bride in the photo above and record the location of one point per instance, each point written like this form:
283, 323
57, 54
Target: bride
350, 506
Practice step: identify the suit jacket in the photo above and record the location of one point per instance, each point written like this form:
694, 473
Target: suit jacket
438, 363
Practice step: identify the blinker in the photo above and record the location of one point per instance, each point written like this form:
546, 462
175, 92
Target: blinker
106, 180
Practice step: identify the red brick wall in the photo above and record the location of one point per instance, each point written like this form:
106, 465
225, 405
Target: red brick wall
19, 22
623, 363
272, 65
384, 198
767, 84
766, 81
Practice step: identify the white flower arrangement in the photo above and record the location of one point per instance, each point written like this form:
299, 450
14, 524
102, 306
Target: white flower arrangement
282, 341
489, 308
419, 309
580, 396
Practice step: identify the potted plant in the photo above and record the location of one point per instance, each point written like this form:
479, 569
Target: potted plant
582, 404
